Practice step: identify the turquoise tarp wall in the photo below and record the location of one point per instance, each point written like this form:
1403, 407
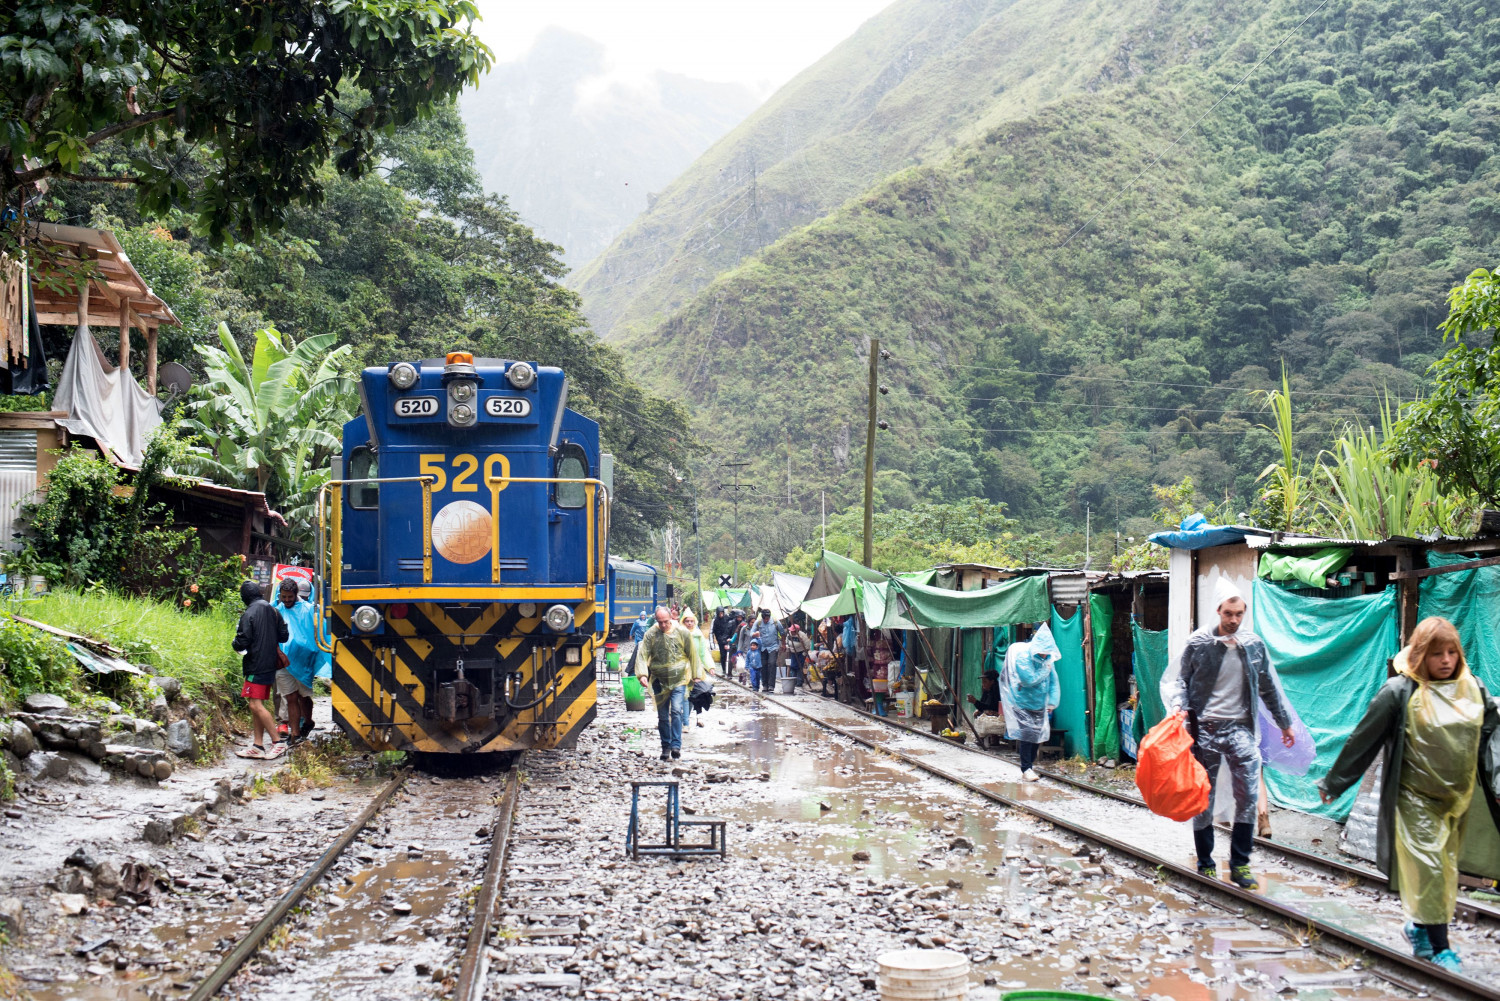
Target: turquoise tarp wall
1071, 714
1149, 664
1470, 599
1331, 654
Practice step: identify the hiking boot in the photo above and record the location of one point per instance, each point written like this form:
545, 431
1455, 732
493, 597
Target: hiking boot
1448, 960
1209, 871
676, 754
666, 755
1421, 946
1242, 877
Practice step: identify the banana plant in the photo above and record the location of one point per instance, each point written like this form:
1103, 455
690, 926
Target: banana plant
271, 424
1287, 489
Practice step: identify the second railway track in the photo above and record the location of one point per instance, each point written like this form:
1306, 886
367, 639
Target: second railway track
1352, 928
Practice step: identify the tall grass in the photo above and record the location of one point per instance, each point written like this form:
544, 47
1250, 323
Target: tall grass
1287, 488
192, 647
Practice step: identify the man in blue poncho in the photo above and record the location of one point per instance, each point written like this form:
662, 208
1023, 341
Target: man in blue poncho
304, 659
1029, 692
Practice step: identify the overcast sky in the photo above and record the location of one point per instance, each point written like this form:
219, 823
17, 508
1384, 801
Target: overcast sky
760, 43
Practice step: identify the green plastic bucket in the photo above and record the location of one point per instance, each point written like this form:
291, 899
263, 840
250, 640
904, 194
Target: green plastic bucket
1050, 996
612, 661
635, 700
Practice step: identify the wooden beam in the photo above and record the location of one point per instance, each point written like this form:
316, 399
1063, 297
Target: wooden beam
1488, 561
151, 360
125, 339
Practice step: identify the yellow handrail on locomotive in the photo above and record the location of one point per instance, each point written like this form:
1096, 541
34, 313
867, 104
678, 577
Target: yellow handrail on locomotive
330, 528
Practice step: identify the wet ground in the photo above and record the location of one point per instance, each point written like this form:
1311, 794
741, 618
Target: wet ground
1363, 909
836, 854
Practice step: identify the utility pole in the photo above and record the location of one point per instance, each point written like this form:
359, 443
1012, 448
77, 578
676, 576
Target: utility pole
736, 486
823, 514
1088, 529
788, 467
698, 547
870, 454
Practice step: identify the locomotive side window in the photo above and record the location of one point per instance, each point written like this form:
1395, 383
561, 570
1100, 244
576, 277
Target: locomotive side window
363, 463
572, 464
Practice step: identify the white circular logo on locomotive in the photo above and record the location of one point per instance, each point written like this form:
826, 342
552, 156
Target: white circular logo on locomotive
461, 532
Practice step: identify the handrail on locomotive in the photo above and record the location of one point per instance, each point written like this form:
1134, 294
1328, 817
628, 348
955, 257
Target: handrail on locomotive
330, 537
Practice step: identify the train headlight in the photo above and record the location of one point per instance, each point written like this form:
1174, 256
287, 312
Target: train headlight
527, 609
462, 413
463, 392
521, 375
366, 618
558, 618
403, 375
573, 655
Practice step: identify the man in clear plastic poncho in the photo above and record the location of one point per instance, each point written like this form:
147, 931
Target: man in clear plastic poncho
669, 657
1029, 691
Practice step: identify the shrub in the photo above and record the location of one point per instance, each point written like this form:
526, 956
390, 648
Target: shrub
31, 661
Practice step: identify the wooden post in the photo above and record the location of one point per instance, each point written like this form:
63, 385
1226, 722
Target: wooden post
83, 289
151, 360
125, 336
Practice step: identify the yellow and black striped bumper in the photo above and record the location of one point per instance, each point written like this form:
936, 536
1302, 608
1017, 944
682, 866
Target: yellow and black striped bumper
384, 694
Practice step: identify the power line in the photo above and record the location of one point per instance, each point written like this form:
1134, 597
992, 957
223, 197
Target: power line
1183, 135
1147, 382
1094, 406
1078, 431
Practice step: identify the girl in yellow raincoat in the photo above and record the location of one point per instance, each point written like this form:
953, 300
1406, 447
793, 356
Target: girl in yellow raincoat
1433, 720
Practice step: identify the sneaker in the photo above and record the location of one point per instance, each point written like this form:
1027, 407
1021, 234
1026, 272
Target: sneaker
282, 729
676, 754
1242, 877
1421, 946
1030, 775
275, 751
292, 742
1209, 871
698, 721
258, 753
1448, 960
666, 756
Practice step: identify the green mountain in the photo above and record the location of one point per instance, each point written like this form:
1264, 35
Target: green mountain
914, 82
1085, 298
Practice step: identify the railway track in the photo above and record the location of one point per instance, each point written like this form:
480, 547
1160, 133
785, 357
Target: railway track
1391, 964
1468, 909
391, 922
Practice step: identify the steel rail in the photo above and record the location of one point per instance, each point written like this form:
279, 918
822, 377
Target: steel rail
471, 974
1427, 971
1469, 908
248, 945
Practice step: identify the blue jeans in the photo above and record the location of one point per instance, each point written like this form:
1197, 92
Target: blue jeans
670, 716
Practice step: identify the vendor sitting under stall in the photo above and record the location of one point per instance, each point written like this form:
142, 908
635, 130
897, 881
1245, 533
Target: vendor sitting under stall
989, 726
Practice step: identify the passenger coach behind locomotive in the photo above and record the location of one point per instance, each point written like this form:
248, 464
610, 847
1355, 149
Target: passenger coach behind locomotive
468, 533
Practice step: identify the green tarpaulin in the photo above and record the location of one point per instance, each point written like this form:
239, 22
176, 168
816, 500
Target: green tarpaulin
1470, 599
1071, 715
1331, 655
1149, 663
1023, 599
879, 605
1106, 717
1312, 569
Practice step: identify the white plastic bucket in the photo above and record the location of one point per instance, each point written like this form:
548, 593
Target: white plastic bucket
923, 975
786, 686
904, 702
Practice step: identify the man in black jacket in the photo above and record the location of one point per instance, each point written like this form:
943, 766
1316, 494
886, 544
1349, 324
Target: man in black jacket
259, 636
724, 638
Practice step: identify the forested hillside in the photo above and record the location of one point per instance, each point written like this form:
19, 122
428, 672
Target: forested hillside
578, 154
1080, 305
914, 82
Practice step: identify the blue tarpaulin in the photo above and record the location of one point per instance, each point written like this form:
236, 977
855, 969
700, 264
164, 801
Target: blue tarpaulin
1196, 533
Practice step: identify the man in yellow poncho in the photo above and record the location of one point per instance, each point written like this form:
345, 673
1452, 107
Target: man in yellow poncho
1434, 720
669, 657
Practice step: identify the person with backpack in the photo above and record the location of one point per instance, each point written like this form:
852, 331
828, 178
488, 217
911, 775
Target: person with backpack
258, 637
1440, 732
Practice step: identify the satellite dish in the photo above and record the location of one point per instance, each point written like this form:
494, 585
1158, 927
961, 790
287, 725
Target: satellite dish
174, 378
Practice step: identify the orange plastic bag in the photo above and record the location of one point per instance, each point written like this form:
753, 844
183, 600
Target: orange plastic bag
1170, 779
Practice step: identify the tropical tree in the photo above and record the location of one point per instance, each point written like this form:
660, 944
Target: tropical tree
241, 98
272, 425
1455, 429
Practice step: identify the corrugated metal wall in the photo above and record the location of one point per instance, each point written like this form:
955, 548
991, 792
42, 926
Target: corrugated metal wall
17, 480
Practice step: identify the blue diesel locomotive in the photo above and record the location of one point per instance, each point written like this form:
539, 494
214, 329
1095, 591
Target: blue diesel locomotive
632, 590
466, 544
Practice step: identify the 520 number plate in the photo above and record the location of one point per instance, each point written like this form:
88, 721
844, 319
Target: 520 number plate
416, 406
507, 406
